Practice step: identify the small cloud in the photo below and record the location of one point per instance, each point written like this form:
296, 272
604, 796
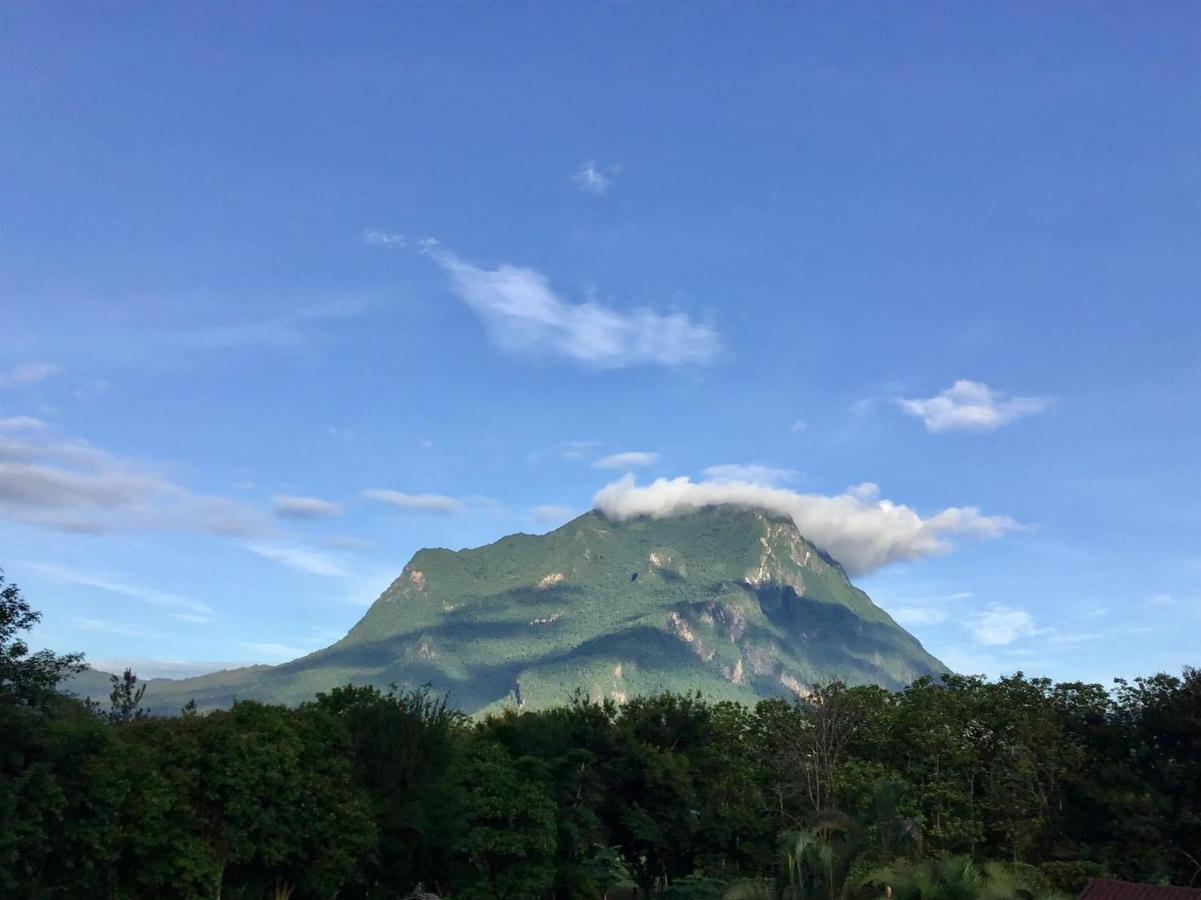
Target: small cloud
750, 474
1000, 626
523, 315
299, 558
549, 514
385, 239
594, 179
799, 426
918, 615
427, 503
27, 374
290, 507
21, 423
971, 406
272, 651
427, 445
631, 459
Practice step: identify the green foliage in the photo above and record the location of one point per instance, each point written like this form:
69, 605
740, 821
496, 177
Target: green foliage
508, 844
958, 877
964, 788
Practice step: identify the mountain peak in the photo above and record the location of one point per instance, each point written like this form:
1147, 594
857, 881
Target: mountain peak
730, 600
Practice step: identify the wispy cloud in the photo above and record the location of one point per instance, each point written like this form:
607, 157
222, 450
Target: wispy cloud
302, 559
426, 503
21, 423
630, 459
800, 426
1000, 625
187, 610
860, 530
550, 514
385, 239
751, 473
72, 486
27, 374
594, 179
522, 314
971, 406
292, 507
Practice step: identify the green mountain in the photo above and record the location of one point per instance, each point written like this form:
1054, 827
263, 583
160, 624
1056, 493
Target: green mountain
734, 602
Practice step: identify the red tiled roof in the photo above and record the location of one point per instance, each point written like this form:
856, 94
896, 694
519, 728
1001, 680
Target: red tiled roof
1104, 889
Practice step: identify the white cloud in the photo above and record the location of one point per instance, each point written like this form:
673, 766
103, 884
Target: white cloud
1001, 625
193, 610
290, 507
861, 531
21, 423
752, 473
592, 178
918, 615
799, 426
429, 503
272, 651
299, 558
971, 406
73, 486
385, 239
523, 315
631, 459
27, 374
550, 514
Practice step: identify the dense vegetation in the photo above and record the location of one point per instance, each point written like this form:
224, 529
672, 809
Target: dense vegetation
959, 787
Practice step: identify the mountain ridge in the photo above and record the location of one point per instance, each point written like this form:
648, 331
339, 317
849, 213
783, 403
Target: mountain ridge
728, 600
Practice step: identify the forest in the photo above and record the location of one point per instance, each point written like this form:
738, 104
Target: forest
954, 787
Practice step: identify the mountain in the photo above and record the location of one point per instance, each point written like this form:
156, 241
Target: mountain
733, 602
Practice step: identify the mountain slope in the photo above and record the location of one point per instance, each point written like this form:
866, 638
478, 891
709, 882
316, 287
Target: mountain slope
730, 601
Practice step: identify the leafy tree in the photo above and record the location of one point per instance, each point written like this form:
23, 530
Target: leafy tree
126, 698
401, 746
507, 848
27, 677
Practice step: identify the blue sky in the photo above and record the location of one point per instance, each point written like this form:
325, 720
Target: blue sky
288, 292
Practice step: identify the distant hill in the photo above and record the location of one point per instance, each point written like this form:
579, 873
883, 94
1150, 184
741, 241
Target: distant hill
733, 602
